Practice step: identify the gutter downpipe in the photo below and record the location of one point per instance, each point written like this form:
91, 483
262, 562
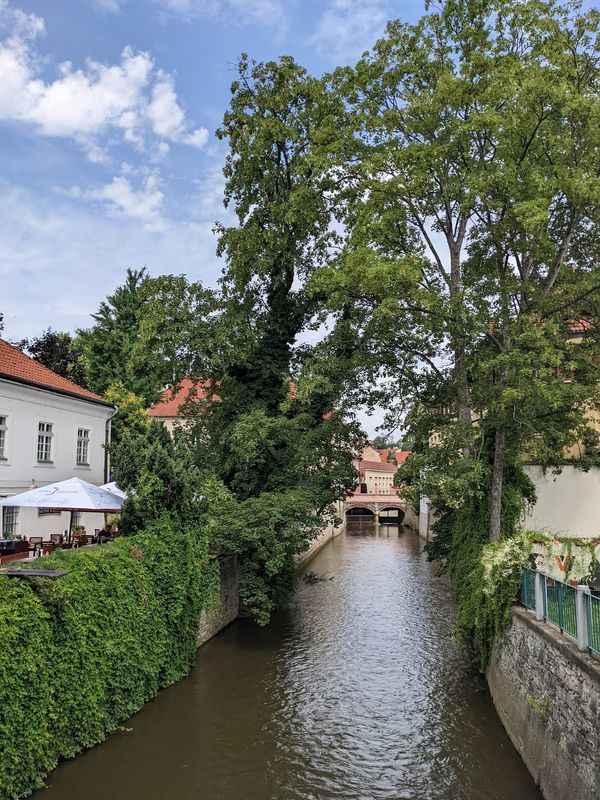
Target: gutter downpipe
107, 431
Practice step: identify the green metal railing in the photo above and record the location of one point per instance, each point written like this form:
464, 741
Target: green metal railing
560, 605
593, 620
527, 593
574, 610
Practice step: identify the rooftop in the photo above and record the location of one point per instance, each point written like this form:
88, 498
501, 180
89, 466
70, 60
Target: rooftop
174, 397
16, 366
378, 466
400, 455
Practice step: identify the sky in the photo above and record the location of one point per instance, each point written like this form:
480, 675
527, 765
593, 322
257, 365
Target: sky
108, 110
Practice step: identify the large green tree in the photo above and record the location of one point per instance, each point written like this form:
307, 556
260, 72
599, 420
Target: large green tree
142, 333
107, 345
470, 190
272, 435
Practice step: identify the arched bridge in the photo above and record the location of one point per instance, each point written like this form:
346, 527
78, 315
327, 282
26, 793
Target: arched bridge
382, 507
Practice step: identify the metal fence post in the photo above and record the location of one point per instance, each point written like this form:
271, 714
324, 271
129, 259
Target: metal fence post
539, 595
583, 639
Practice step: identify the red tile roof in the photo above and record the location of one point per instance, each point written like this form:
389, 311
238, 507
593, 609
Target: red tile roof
401, 455
580, 326
378, 466
173, 398
16, 366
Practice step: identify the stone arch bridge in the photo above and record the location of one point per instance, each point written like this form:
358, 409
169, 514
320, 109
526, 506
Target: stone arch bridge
381, 507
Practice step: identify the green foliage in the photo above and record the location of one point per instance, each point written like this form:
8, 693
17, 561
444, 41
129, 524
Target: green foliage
470, 194
275, 453
490, 576
131, 417
107, 345
27, 704
57, 351
267, 532
82, 653
485, 576
142, 335
158, 474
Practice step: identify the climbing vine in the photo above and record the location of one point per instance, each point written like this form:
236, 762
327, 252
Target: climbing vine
83, 652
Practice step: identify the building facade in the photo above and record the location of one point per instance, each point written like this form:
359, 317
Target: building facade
50, 430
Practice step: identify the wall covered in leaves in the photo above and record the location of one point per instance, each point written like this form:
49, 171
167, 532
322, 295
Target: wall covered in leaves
80, 654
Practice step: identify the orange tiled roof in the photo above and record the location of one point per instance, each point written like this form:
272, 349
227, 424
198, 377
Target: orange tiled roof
580, 325
401, 455
378, 466
16, 366
173, 398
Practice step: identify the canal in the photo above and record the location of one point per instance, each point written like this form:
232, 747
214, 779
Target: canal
356, 692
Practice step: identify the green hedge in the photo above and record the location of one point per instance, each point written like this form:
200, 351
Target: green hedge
80, 654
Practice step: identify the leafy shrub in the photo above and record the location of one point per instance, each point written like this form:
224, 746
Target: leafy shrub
82, 653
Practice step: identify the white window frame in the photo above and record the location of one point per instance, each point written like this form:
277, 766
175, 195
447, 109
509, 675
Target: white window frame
4, 434
82, 454
48, 434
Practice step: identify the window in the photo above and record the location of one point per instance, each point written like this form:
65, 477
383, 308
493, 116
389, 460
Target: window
9, 521
2, 438
44, 442
83, 446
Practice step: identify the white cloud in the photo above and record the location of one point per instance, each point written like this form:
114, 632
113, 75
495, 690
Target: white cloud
19, 23
143, 205
94, 105
59, 259
168, 117
266, 13
109, 6
349, 27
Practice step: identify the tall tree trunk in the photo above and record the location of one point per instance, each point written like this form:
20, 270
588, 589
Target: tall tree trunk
497, 478
500, 438
462, 387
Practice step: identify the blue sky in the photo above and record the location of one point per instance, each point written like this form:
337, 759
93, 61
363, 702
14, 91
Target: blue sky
107, 116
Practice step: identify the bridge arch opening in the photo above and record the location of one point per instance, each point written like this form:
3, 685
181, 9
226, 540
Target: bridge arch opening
357, 511
391, 515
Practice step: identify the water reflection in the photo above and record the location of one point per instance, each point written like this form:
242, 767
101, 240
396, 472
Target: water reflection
356, 692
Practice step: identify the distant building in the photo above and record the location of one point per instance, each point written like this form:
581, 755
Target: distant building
171, 408
50, 430
377, 469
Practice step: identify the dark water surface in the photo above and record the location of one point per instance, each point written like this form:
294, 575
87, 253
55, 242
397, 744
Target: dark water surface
357, 692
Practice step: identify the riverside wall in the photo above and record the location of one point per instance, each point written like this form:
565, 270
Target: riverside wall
547, 695
227, 609
327, 534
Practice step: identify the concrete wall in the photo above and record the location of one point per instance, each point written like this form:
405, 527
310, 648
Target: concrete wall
568, 504
411, 519
326, 535
547, 695
425, 519
228, 608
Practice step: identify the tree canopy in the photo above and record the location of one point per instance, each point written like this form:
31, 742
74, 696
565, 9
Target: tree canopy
470, 194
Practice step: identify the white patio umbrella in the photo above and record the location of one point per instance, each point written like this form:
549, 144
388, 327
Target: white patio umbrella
70, 495
113, 489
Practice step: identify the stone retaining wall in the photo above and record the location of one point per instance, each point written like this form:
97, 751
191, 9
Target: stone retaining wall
326, 535
228, 607
547, 695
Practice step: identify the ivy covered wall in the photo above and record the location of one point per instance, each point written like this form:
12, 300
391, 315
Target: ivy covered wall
80, 654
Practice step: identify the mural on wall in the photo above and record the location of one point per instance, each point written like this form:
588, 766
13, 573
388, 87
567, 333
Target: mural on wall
569, 560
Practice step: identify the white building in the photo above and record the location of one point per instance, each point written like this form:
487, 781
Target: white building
50, 430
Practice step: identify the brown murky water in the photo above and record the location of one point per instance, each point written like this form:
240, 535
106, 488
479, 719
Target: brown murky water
356, 692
